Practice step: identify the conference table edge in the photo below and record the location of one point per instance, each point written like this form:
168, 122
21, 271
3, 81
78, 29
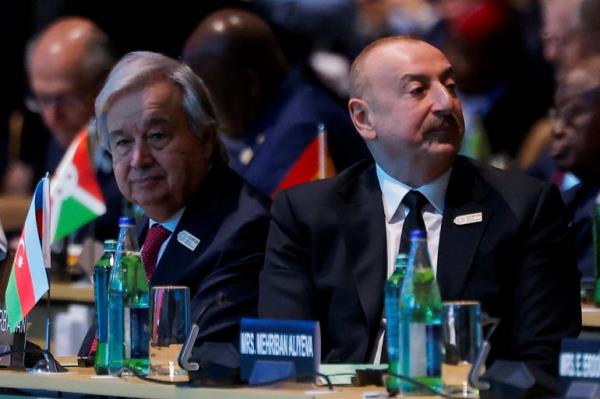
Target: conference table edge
131, 387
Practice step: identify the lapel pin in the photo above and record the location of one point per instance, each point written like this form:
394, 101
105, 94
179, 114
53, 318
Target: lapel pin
246, 155
188, 240
468, 219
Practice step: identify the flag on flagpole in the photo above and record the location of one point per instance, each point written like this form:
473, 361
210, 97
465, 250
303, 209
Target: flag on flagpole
28, 280
314, 163
76, 197
3, 244
42, 215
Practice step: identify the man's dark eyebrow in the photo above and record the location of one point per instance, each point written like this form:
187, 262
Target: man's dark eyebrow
447, 74
417, 77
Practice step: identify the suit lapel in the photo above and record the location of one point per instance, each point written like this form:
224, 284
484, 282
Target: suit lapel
459, 240
363, 221
201, 219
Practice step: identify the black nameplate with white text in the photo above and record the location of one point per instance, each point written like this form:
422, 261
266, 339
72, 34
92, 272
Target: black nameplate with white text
579, 361
10, 341
293, 342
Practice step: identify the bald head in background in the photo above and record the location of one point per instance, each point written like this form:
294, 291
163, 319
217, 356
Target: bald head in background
236, 54
590, 27
571, 31
66, 64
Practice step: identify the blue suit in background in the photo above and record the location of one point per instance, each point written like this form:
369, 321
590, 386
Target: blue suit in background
581, 205
287, 127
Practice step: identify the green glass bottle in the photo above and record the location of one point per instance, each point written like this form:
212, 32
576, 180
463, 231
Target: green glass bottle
101, 275
393, 289
420, 320
128, 304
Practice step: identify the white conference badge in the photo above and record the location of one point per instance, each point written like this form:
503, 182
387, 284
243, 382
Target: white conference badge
468, 219
188, 240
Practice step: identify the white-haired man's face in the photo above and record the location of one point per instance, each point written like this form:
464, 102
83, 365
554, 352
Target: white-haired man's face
157, 159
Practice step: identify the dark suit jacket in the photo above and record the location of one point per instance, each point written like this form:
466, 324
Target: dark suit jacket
288, 125
231, 221
326, 260
581, 206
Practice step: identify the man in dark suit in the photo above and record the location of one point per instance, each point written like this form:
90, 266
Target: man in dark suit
575, 148
66, 65
270, 112
493, 236
205, 226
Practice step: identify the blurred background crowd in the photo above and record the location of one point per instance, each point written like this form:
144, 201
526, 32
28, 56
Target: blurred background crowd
526, 70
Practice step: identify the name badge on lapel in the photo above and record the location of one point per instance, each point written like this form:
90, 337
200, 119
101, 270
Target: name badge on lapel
188, 240
468, 219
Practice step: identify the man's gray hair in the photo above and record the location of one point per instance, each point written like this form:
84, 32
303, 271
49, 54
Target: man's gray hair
140, 68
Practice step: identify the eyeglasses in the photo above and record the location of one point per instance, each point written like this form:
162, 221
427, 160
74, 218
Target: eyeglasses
558, 40
573, 112
69, 101
570, 117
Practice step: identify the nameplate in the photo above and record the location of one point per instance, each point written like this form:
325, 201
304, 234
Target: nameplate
264, 341
579, 361
12, 341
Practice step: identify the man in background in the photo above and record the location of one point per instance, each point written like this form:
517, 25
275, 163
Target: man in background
66, 65
561, 32
270, 111
575, 147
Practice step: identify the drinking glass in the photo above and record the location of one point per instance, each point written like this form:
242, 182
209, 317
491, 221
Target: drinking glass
170, 324
461, 339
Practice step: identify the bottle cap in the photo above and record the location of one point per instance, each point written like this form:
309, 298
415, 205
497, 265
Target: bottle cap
417, 234
110, 245
126, 221
401, 259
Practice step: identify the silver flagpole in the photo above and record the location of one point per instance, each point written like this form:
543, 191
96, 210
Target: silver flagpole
48, 314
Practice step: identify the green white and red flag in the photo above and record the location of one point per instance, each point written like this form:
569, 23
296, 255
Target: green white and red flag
28, 281
75, 195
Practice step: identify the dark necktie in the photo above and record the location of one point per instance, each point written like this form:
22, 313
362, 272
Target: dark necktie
156, 236
414, 201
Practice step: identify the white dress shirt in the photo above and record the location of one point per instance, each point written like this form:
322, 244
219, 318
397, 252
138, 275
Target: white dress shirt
393, 191
171, 225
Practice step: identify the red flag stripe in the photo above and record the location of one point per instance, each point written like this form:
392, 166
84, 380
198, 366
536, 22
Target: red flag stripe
83, 163
23, 278
304, 170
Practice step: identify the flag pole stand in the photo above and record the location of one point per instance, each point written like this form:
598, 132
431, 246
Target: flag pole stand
48, 364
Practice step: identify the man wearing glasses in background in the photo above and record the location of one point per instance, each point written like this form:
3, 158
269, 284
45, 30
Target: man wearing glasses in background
66, 62
66, 65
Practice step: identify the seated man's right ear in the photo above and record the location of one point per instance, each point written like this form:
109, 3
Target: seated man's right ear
361, 116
